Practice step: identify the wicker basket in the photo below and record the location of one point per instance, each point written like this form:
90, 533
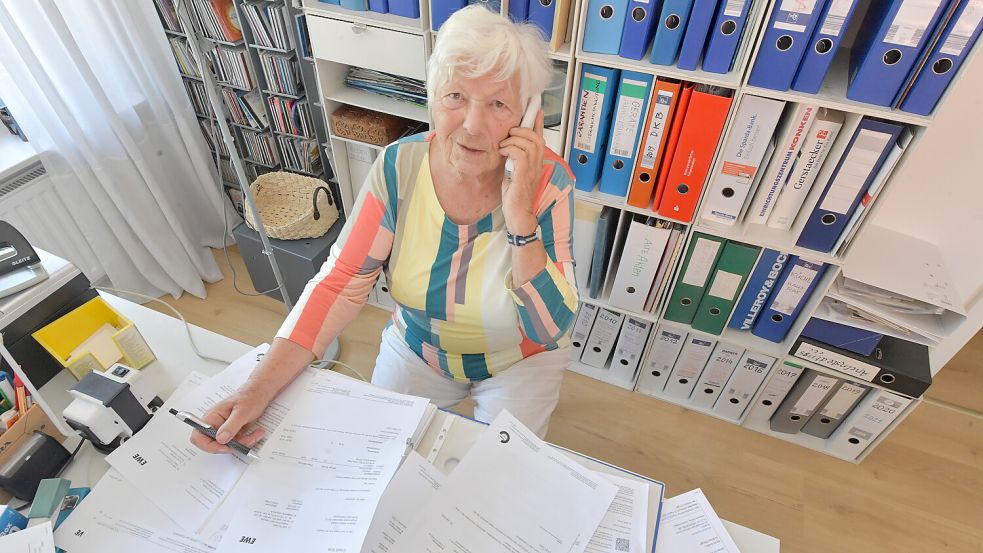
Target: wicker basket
292, 206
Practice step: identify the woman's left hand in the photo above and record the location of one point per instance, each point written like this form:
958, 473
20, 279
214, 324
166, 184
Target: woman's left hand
525, 147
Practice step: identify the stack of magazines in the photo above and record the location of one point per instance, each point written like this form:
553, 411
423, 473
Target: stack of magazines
218, 20
168, 16
300, 155
281, 72
246, 108
184, 58
269, 25
231, 66
199, 100
259, 148
394, 86
213, 136
291, 116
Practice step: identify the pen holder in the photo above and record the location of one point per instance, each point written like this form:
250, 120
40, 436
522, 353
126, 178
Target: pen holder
34, 420
93, 337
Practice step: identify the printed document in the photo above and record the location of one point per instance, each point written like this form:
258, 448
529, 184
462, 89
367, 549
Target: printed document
34, 539
690, 525
512, 492
623, 528
414, 484
116, 518
324, 469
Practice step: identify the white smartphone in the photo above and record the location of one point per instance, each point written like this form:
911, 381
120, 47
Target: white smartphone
528, 120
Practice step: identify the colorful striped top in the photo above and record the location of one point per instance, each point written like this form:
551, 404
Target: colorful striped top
456, 306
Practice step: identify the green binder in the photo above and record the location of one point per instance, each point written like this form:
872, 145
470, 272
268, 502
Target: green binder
729, 276
701, 256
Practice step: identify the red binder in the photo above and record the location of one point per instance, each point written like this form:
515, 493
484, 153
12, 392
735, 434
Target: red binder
698, 139
665, 97
677, 125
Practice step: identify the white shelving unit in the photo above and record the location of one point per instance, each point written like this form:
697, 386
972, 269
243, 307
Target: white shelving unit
900, 205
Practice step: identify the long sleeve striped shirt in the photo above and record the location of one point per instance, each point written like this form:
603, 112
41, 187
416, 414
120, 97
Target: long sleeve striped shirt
457, 308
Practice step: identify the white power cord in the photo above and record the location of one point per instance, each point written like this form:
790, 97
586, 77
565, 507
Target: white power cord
187, 327
322, 364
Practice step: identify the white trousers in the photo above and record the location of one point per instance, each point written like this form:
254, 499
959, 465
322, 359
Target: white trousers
530, 389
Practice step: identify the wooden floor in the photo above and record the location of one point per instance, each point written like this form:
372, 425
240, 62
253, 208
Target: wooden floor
920, 491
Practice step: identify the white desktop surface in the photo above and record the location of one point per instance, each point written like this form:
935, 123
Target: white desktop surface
175, 359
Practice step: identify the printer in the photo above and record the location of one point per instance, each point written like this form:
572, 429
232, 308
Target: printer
28, 310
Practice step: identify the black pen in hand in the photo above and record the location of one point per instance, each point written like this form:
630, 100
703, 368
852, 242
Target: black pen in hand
209, 430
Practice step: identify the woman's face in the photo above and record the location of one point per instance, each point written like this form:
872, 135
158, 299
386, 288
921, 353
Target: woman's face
471, 118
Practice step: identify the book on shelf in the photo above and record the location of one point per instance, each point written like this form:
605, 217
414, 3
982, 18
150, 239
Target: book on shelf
281, 72
186, 62
199, 100
213, 137
168, 15
269, 24
217, 19
303, 37
300, 154
259, 147
291, 116
231, 66
401, 88
246, 108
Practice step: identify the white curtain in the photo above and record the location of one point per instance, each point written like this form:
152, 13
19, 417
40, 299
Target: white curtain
94, 86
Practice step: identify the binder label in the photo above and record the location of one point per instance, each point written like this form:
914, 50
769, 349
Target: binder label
700, 263
734, 8
836, 361
794, 289
836, 17
842, 400
854, 172
628, 119
656, 128
910, 23
725, 285
963, 29
810, 399
592, 92
790, 15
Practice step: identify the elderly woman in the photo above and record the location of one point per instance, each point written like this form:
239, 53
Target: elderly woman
480, 267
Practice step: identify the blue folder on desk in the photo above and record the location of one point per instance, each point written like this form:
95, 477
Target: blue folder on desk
669, 32
788, 298
700, 18
944, 60
639, 28
884, 52
783, 45
605, 23
519, 10
440, 10
725, 36
864, 155
630, 109
823, 45
598, 88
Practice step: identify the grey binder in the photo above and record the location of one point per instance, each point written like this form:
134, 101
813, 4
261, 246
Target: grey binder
839, 404
803, 401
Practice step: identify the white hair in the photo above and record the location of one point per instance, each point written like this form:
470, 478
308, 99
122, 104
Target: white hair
476, 42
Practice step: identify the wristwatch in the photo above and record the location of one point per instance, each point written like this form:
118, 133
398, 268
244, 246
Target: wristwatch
521, 240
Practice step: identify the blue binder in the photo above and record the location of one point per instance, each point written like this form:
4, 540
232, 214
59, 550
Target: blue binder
607, 228
882, 58
626, 131
605, 23
783, 45
943, 61
842, 336
788, 298
872, 141
380, 6
440, 10
669, 33
639, 28
332, 2
823, 45
700, 18
357, 5
542, 14
519, 10
598, 88
405, 8
725, 36
758, 289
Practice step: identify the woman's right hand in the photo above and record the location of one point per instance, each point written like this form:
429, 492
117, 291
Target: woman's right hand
234, 417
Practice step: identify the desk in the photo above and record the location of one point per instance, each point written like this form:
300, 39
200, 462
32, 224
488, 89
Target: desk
175, 359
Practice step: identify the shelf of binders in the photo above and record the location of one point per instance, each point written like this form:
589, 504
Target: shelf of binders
600, 40
417, 25
840, 444
766, 189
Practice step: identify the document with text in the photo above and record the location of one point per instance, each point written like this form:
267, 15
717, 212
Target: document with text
512, 492
690, 525
35, 539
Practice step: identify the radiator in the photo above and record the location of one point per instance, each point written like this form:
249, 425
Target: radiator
29, 202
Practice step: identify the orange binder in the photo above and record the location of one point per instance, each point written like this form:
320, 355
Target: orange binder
677, 125
698, 138
662, 106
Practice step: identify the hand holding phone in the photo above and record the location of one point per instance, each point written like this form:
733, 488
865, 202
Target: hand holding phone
528, 120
